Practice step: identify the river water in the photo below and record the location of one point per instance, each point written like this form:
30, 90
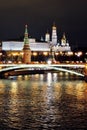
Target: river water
43, 102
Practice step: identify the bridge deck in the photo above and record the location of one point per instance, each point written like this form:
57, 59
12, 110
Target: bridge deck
33, 67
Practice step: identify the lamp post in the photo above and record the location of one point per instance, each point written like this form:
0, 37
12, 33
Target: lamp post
79, 55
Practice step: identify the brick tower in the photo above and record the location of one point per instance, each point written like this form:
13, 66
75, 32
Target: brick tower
26, 48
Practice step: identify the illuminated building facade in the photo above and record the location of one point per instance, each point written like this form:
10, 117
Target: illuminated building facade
30, 48
40, 46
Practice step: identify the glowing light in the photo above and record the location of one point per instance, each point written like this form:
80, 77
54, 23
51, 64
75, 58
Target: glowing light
0, 54
78, 54
86, 66
49, 79
34, 54
61, 52
70, 53
26, 77
14, 54
21, 53
49, 62
45, 53
41, 77
56, 53
80, 91
14, 87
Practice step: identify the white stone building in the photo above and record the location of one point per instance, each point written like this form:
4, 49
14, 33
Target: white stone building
49, 44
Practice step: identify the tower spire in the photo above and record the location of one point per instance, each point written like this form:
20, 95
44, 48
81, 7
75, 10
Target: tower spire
26, 40
26, 30
54, 24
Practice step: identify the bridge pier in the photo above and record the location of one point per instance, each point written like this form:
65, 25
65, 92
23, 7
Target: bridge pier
3, 76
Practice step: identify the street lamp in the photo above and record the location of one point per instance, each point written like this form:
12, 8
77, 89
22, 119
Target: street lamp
79, 55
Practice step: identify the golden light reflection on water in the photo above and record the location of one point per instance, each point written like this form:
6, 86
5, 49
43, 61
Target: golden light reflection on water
2, 86
19, 77
14, 87
77, 89
13, 97
41, 78
70, 88
13, 105
55, 77
57, 91
26, 77
80, 91
39, 96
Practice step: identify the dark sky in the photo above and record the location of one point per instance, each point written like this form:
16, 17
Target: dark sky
70, 16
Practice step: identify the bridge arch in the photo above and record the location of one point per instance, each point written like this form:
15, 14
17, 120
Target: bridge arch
42, 67
66, 70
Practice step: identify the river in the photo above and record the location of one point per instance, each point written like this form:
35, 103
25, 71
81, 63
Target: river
43, 102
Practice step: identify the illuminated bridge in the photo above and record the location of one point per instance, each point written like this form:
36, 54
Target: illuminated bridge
15, 69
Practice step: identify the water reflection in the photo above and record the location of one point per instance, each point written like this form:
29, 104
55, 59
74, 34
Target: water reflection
43, 102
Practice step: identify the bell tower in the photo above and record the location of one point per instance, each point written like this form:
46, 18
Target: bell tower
47, 37
54, 34
26, 48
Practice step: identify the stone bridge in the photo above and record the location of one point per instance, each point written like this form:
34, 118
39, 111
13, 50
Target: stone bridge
15, 69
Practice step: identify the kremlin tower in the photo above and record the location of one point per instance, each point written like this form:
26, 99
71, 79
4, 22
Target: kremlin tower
47, 37
63, 40
54, 35
26, 48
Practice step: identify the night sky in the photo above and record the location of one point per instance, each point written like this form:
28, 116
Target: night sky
70, 16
